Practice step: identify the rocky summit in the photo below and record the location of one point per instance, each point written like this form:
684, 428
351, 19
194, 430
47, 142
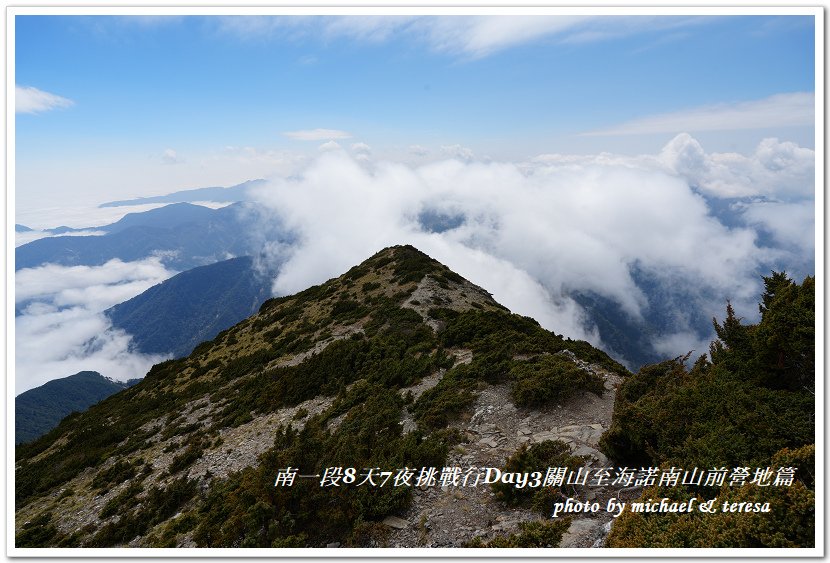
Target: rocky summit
357, 413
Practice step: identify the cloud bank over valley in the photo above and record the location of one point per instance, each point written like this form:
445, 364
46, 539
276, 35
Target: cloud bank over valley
682, 230
655, 243
61, 328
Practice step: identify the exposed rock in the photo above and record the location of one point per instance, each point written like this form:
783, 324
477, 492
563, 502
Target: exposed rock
489, 442
395, 522
583, 532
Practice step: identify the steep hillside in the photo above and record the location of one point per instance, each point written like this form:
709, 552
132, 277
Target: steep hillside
38, 410
179, 313
398, 363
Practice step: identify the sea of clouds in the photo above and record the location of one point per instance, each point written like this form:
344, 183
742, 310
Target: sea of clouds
703, 225
707, 225
61, 328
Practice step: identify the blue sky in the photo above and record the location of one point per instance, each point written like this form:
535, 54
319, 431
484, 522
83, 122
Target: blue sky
169, 103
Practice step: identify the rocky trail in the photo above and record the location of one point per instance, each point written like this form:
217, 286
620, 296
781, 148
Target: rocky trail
452, 516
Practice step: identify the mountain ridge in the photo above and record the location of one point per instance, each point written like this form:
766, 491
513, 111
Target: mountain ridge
181, 245
393, 354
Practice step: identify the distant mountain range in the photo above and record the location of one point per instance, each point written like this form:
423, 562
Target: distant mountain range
184, 235
217, 194
39, 410
166, 217
193, 306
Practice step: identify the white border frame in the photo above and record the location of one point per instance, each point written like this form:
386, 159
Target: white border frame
373, 7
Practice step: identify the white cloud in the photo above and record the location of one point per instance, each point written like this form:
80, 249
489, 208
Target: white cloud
62, 330
534, 232
792, 224
28, 99
373, 29
317, 134
329, 146
170, 156
459, 152
681, 343
113, 282
418, 150
127, 176
780, 110
362, 152
460, 35
478, 36
257, 27
147, 21
78, 216
29, 236
24, 238
775, 169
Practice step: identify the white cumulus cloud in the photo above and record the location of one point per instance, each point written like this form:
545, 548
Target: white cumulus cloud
776, 168
329, 146
458, 151
534, 232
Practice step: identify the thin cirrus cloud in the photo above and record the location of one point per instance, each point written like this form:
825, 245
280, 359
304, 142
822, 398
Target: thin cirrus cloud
780, 110
469, 37
28, 99
480, 36
317, 134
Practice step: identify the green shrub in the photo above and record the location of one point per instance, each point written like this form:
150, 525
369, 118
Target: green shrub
533, 534
528, 459
370, 286
123, 499
453, 394
752, 405
550, 379
247, 510
790, 522
39, 532
115, 474
158, 505
186, 458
